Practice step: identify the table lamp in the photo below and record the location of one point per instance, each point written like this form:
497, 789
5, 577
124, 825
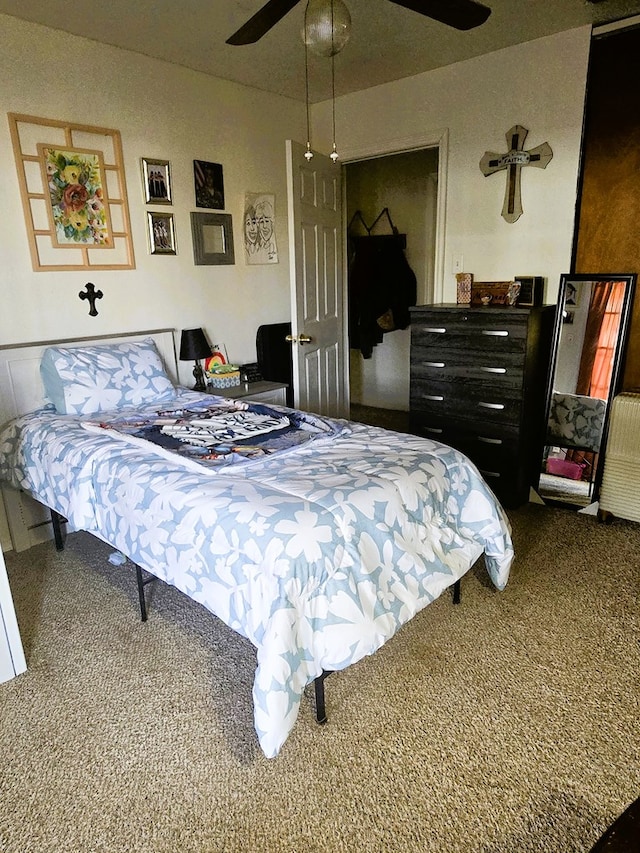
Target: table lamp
193, 347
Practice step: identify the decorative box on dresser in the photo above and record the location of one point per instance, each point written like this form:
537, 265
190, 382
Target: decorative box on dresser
479, 383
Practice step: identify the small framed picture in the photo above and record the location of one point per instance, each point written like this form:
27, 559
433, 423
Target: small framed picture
208, 184
162, 237
212, 238
571, 295
531, 291
156, 180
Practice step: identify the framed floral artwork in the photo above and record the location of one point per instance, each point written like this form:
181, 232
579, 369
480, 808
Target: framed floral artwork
75, 182
156, 179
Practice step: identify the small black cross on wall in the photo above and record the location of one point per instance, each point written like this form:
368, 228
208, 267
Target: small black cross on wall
92, 294
513, 161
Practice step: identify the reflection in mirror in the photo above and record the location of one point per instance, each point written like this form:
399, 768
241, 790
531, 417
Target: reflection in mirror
213, 239
591, 330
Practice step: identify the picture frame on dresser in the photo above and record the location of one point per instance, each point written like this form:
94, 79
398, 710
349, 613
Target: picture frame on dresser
531, 290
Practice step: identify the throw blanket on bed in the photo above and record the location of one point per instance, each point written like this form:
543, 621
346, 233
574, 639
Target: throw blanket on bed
219, 433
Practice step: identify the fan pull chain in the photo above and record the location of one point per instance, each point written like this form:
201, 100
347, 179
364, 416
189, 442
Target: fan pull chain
334, 149
308, 153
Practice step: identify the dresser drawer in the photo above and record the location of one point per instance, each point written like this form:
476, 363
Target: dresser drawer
504, 369
494, 451
468, 330
485, 439
471, 400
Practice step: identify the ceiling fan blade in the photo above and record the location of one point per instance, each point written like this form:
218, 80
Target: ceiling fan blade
262, 21
461, 14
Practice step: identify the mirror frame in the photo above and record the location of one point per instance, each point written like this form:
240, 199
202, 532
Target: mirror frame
566, 280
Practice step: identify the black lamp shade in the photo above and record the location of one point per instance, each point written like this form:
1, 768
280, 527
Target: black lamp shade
193, 345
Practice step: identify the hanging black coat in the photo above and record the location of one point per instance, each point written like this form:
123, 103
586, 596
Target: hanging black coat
382, 286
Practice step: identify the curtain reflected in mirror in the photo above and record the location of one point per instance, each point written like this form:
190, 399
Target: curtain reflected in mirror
591, 329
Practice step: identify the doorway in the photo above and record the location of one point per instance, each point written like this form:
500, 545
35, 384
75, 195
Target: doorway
406, 185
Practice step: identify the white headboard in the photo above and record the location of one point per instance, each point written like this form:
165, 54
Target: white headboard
21, 391
21, 387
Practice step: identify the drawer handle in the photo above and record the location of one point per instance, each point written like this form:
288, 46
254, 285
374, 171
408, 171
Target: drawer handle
500, 333
486, 440
498, 406
434, 430
495, 474
437, 398
435, 330
434, 364
494, 369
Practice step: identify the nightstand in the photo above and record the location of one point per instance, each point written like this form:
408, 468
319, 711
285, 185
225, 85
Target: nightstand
260, 392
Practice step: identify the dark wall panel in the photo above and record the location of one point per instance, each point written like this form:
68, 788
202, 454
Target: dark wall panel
608, 233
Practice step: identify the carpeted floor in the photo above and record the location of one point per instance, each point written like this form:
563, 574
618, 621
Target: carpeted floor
507, 724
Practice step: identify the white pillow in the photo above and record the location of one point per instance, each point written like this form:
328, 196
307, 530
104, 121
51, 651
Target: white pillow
89, 379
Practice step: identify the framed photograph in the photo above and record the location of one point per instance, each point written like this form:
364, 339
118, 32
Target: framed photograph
571, 297
531, 290
212, 238
162, 236
156, 181
78, 214
208, 184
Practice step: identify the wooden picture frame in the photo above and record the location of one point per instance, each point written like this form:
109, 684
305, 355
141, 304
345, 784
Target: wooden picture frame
156, 181
162, 235
212, 238
29, 136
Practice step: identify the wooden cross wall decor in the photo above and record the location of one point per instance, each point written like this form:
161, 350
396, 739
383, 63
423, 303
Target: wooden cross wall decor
513, 161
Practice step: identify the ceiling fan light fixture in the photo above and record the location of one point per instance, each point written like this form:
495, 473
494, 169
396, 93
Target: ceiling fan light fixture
327, 26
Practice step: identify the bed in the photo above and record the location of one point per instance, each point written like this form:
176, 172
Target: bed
314, 538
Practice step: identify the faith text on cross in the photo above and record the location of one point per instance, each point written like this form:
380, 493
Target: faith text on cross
513, 161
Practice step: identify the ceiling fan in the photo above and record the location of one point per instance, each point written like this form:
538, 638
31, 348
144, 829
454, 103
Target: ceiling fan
461, 14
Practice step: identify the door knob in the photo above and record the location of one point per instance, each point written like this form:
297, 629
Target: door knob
299, 339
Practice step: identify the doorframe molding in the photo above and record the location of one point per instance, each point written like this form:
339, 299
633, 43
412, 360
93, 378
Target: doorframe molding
382, 147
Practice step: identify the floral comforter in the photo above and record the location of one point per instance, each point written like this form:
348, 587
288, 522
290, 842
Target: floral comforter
317, 553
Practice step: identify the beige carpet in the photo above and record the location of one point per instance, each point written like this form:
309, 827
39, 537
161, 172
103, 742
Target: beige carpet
508, 724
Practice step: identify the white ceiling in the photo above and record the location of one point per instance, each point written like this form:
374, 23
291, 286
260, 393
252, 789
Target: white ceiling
387, 41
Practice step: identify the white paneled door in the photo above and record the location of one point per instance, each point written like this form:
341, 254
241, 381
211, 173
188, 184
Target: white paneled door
317, 301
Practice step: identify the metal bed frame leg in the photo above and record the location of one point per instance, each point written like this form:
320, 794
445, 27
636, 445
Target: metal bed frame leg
318, 684
141, 585
57, 521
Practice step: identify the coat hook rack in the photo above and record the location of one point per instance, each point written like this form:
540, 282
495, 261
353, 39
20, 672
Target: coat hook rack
92, 294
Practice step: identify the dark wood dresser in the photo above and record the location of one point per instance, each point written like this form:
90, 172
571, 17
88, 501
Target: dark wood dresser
479, 383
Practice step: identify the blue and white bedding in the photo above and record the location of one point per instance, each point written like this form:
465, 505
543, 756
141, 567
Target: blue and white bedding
316, 553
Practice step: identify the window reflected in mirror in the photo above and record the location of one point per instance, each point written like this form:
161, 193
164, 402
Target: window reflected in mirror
591, 324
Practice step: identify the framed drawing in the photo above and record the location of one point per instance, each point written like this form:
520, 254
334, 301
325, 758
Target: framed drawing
156, 180
75, 182
208, 184
212, 238
162, 237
